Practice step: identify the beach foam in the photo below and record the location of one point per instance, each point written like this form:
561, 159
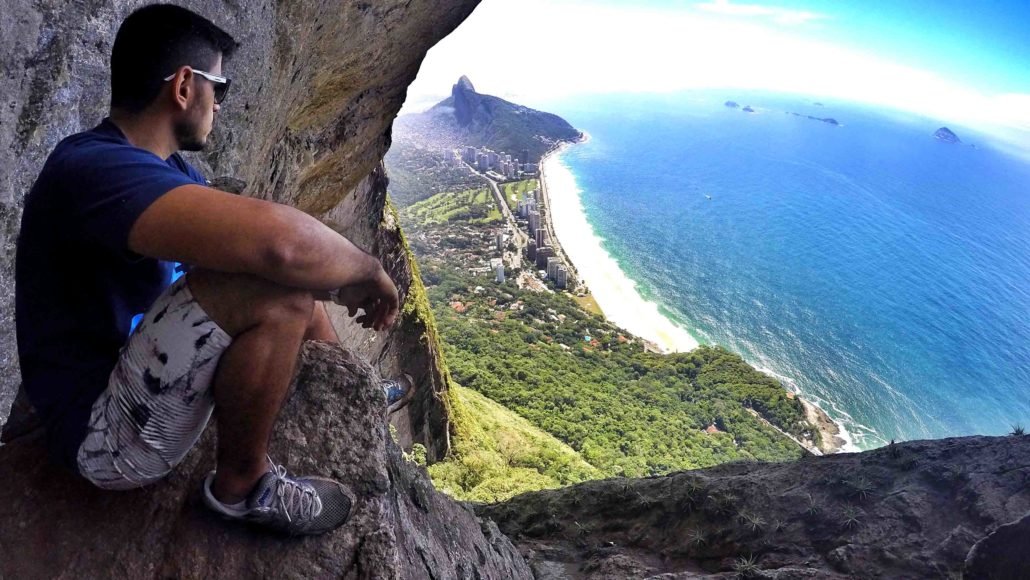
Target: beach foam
839, 417
615, 293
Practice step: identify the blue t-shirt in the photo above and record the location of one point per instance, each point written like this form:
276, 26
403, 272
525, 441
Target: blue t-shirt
77, 284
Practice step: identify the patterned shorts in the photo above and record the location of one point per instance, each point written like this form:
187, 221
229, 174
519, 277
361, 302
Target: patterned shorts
158, 399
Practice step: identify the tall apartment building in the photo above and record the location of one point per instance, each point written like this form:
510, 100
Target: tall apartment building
527, 205
561, 278
498, 265
531, 251
534, 222
540, 235
552, 267
542, 253
500, 241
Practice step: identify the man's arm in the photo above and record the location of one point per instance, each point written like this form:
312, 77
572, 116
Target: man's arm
212, 229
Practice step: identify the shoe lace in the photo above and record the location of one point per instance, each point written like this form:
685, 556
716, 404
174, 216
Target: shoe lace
295, 497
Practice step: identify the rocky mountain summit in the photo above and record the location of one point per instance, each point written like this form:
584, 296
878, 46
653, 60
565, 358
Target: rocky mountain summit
471, 118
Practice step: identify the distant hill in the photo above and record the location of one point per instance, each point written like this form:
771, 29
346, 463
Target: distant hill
471, 118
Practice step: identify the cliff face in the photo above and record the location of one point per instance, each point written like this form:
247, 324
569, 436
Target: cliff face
316, 86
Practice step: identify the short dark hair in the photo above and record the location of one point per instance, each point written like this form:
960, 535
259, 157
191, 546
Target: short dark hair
152, 43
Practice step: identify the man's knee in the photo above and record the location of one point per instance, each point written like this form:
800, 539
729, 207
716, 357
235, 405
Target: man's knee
237, 302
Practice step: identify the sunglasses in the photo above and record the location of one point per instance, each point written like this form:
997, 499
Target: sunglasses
221, 83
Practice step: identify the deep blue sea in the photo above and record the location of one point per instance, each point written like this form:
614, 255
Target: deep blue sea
880, 272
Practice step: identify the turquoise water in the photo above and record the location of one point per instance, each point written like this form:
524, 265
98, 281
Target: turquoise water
880, 272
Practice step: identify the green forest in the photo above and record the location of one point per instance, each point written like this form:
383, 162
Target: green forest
625, 410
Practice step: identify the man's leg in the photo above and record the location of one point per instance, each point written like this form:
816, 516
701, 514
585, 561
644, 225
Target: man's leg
267, 323
321, 328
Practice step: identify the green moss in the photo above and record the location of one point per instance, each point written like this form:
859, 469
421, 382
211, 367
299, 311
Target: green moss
416, 307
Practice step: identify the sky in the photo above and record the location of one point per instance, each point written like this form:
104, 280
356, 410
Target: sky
965, 63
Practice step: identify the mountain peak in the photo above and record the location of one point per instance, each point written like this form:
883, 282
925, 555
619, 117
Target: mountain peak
464, 84
466, 100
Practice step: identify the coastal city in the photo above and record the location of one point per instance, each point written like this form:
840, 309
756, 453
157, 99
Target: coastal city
498, 166
539, 246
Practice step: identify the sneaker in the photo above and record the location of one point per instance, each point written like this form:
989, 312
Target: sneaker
294, 505
399, 392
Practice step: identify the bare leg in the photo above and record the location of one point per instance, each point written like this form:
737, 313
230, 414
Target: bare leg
268, 323
321, 328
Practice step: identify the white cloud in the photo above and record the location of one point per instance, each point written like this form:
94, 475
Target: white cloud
778, 15
534, 51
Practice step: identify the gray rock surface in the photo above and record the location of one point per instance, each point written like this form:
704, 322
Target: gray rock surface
1002, 555
316, 86
55, 526
913, 510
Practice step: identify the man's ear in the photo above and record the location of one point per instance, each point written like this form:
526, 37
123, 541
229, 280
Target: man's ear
182, 87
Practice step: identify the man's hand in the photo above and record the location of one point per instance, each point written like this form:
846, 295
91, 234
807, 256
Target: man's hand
377, 297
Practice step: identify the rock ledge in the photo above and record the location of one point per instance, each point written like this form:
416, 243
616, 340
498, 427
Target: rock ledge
54, 526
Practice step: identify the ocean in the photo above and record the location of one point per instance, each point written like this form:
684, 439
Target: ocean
879, 272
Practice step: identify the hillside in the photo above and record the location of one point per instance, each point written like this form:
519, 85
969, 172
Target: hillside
577, 377
420, 160
496, 454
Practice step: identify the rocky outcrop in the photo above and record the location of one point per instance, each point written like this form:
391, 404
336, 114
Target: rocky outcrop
316, 86
945, 134
1002, 555
465, 100
911, 510
54, 526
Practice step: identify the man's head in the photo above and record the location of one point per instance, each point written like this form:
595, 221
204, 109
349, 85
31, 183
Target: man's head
161, 41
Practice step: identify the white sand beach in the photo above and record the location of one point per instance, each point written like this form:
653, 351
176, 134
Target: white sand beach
615, 293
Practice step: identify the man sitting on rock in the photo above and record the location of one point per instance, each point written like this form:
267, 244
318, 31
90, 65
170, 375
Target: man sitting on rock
110, 212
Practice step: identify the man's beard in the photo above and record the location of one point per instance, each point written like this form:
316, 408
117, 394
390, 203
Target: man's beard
188, 136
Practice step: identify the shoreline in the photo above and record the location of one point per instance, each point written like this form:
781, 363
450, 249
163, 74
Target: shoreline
616, 294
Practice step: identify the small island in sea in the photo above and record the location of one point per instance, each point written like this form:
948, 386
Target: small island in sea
827, 120
748, 109
732, 104
947, 135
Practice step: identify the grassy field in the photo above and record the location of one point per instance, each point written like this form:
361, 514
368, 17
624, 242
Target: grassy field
513, 191
475, 206
588, 303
